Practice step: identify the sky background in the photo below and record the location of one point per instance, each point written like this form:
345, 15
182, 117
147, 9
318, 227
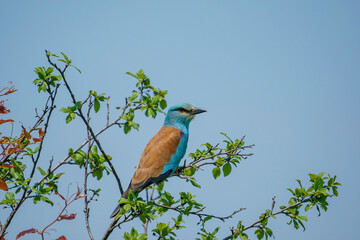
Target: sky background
285, 73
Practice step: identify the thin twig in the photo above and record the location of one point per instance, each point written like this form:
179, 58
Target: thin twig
68, 200
86, 208
147, 199
272, 205
232, 152
197, 213
108, 112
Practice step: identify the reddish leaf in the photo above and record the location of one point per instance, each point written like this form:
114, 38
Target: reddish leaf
10, 151
36, 140
11, 90
31, 230
4, 140
60, 238
3, 109
26, 134
68, 216
41, 133
1, 238
60, 196
84, 195
3, 185
7, 166
4, 121
78, 191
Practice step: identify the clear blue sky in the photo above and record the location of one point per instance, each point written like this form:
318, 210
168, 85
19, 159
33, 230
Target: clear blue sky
285, 73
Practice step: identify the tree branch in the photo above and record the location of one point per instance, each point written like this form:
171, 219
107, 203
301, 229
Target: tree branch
86, 202
27, 193
62, 72
197, 213
254, 224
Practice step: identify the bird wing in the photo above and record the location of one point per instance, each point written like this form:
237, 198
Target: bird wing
157, 153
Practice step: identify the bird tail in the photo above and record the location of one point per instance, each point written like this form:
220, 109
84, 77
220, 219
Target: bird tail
117, 209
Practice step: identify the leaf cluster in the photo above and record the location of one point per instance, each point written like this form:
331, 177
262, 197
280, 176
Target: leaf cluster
147, 98
46, 78
303, 199
96, 162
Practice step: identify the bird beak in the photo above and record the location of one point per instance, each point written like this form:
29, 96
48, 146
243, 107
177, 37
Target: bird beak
197, 111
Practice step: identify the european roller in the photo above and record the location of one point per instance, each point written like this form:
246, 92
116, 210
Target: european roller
164, 151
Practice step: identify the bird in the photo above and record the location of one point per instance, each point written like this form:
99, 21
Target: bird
164, 151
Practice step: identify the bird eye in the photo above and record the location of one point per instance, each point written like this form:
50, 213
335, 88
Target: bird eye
182, 110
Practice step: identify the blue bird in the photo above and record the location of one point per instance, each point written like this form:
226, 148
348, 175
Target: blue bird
164, 151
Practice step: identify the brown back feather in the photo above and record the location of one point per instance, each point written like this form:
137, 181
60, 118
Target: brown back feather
157, 153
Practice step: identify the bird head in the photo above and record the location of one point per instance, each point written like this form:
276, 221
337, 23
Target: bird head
181, 115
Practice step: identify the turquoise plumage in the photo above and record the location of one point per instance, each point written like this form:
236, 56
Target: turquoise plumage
165, 150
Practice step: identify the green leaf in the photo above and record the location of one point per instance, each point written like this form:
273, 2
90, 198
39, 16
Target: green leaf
292, 201
68, 119
303, 218
299, 182
102, 98
269, 231
291, 191
302, 225
45, 199
227, 169
331, 182
207, 218
133, 96
140, 72
312, 176
334, 188
76, 68
163, 104
308, 207
243, 236
37, 81
134, 125
131, 74
195, 184
57, 176
42, 172
64, 110
127, 128
160, 186
78, 104
10, 196
43, 86
94, 149
319, 183
259, 233
96, 105
152, 112
216, 172
296, 224
49, 70
187, 171
68, 61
